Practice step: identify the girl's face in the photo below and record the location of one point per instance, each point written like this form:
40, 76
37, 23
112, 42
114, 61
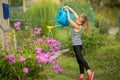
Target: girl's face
80, 21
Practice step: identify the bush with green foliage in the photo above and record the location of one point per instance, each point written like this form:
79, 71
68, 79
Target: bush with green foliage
91, 41
102, 23
29, 59
118, 36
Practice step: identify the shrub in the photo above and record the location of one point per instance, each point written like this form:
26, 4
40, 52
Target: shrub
29, 59
118, 36
102, 23
91, 42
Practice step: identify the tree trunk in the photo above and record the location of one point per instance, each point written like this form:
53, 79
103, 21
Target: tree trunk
101, 3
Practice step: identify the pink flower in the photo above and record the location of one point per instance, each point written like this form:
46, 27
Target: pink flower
38, 40
25, 70
38, 50
52, 53
22, 59
6, 43
50, 60
10, 58
43, 58
36, 31
50, 41
17, 25
56, 67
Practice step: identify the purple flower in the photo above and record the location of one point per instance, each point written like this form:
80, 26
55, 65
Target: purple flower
22, 59
43, 58
53, 44
6, 43
25, 70
38, 40
17, 25
36, 31
56, 48
52, 53
56, 67
50, 41
38, 50
50, 60
10, 58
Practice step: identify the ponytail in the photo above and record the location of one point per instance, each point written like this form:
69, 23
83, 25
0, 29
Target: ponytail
87, 21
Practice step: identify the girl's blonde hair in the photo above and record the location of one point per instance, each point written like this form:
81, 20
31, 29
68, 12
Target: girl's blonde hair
87, 21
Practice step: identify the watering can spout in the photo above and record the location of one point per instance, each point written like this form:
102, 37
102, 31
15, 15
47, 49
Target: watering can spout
57, 26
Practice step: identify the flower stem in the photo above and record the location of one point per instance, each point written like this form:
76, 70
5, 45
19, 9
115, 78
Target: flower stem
16, 73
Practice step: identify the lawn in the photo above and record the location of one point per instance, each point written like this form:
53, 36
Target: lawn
104, 62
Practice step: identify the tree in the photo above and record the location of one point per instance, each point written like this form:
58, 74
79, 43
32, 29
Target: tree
107, 3
112, 3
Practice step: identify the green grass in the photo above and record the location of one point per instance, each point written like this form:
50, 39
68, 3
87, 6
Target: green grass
69, 67
104, 62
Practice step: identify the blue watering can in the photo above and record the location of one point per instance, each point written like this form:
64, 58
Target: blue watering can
61, 18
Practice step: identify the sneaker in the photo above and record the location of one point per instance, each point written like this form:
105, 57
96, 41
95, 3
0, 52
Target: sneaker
90, 76
80, 78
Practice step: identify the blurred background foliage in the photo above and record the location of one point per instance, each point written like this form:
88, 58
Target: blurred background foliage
102, 13
99, 47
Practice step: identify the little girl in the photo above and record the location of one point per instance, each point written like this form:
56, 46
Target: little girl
76, 41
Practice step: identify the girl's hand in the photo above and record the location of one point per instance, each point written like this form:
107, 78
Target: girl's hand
66, 10
65, 7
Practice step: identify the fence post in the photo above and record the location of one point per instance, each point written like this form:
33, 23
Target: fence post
4, 20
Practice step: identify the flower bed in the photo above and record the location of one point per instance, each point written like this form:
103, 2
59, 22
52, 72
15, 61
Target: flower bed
30, 58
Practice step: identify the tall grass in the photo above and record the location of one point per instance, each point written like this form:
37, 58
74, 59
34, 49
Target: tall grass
42, 14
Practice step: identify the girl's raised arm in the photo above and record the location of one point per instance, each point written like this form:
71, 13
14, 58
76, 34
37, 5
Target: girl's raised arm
71, 21
73, 12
